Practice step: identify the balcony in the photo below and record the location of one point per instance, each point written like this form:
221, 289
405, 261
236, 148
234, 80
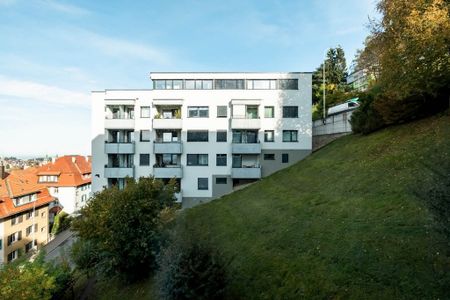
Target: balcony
246, 148
167, 123
167, 147
245, 123
119, 148
168, 172
246, 173
119, 123
119, 172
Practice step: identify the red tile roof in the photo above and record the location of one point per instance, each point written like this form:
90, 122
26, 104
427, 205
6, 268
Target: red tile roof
70, 169
19, 183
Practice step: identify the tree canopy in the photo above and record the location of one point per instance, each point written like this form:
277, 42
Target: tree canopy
119, 229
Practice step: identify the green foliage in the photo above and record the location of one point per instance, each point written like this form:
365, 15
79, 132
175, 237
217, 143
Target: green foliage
341, 224
408, 54
122, 228
335, 74
366, 118
189, 269
33, 280
85, 255
62, 222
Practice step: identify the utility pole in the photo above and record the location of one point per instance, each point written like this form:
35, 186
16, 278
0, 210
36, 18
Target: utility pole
324, 88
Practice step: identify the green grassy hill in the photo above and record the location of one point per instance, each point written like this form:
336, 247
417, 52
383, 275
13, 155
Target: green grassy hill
357, 219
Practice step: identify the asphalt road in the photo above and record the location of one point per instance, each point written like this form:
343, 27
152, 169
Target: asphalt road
60, 246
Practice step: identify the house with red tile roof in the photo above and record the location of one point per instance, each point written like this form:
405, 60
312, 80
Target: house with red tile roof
25, 212
69, 179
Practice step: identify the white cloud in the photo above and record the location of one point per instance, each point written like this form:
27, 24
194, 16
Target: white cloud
65, 7
41, 92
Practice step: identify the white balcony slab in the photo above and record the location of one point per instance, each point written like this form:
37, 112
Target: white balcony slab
171, 147
168, 172
246, 173
250, 148
119, 172
242, 123
119, 148
167, 123
119, 123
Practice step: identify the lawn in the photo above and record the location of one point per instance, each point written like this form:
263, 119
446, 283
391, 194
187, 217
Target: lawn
346, 222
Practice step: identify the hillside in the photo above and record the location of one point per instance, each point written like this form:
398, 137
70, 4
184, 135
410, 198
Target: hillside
353, 220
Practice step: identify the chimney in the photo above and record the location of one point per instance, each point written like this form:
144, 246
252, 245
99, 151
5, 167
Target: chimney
74, 159
2, 172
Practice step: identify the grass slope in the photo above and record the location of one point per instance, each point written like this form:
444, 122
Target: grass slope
343, 223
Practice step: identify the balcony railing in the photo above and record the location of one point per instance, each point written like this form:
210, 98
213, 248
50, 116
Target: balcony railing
119, 172
238, 122
167, 123
167, 171
246, 148
119, 148
160, 147
246, 173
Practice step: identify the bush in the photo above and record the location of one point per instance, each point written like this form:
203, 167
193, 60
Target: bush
191, 270
366, 118
62, 222
121, 229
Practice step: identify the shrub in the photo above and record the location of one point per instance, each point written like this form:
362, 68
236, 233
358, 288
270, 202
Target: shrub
121, 228
366, 118
62, 222
191, 270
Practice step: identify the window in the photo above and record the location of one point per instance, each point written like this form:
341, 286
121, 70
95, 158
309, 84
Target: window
261, 84
221, 180
198, 111
229, 84
203, 183
199, 84
245, 136
269, 156
29, 215
43, 214
144, 159
42, 229
251, 112
197, 159
269, 112
269, 135
13, 255
145, 135
16, 220
190, 84
49, 178
289, 135
28, 247
29, 230
221, 111
197, 136
284, 158
290, 111
145, 111
221, 136
1, 244
288, 84
221, 160
16, 236
162, 84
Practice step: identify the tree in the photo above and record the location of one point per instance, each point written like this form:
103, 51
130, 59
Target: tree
33, 280
335, 74
122, 228
409, 50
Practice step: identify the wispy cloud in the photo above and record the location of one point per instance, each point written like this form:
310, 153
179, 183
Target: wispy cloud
30, 90
64, 7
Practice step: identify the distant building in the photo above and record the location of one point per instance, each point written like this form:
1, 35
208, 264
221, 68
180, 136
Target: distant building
25, 212
359, 80
212, 131
69, 179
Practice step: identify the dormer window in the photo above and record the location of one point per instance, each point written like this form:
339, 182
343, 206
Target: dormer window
48, 178
25, 199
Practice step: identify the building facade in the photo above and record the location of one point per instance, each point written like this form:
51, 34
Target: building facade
67, 178
24, 214
212, 131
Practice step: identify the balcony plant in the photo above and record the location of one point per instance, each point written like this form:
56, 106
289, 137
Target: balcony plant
157, 116
178, 114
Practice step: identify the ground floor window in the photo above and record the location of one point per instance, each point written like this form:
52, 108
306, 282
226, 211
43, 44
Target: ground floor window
203, 183
285, 158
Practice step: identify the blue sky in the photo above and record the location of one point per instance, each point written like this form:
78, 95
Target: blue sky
53, 53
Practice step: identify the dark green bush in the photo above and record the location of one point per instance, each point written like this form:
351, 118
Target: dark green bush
366, 118
191, 270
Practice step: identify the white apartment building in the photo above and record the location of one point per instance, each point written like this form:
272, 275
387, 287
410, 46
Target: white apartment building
211, 131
